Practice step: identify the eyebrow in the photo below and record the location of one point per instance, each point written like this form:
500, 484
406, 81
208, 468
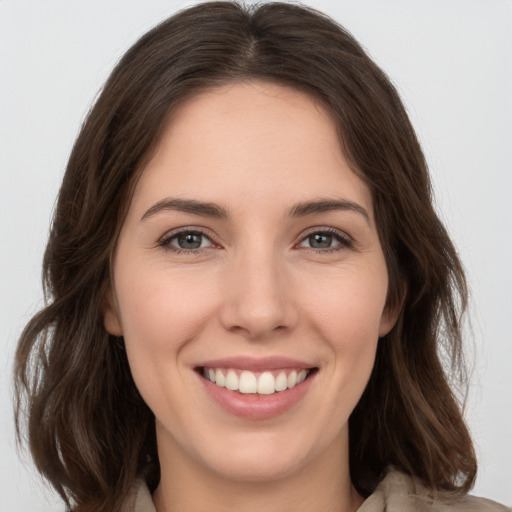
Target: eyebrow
208, 209
201, 208
326, 205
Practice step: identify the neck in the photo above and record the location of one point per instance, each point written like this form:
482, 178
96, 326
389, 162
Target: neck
322, 485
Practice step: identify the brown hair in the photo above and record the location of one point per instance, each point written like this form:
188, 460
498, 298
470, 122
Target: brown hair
89, 431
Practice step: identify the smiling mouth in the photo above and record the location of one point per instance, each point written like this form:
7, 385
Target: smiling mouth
258, 383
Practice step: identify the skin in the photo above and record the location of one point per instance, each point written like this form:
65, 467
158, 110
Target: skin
258, 286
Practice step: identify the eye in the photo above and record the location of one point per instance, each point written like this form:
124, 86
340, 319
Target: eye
325, 240
186, 241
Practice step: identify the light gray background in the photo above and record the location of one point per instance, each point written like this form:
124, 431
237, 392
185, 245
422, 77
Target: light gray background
450, 59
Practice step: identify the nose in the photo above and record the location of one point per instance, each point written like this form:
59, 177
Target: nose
258, 299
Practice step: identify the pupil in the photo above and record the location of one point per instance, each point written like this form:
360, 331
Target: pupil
320, 241
190, 241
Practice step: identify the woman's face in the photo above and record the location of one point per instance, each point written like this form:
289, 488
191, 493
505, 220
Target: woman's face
250, 255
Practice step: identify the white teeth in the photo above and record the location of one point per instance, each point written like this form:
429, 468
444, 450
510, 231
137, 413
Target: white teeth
292, 379
220, 380
248, 383
266, 384
232, 381
281, 382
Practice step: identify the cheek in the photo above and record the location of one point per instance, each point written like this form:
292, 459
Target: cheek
160, 313
347, 315
160, 306
348, 308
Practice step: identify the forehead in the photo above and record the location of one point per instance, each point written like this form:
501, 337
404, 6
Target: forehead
250, 140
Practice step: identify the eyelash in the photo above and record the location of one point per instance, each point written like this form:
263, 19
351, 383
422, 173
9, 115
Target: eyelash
165, 242
344, 241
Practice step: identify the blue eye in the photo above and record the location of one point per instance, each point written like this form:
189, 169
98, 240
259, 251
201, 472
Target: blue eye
186, 241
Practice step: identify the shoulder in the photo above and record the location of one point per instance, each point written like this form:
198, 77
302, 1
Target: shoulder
399, 492
139, 499
396, 493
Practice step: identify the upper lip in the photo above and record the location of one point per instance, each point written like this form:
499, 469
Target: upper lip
256, 364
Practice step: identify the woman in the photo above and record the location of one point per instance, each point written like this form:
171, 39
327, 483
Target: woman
248, 285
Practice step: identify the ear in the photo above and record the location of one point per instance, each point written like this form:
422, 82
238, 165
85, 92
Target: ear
391, 313
388, 321
111, 319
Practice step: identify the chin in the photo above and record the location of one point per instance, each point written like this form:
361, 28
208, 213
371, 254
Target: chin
259, 460
250, 470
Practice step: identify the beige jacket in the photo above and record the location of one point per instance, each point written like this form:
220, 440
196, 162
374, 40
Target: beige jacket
396, 493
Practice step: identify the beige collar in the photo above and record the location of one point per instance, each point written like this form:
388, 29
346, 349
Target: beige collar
397, 492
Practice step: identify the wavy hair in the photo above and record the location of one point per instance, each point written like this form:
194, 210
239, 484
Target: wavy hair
89, 431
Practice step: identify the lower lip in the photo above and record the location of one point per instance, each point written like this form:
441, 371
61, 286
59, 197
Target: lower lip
257, 407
